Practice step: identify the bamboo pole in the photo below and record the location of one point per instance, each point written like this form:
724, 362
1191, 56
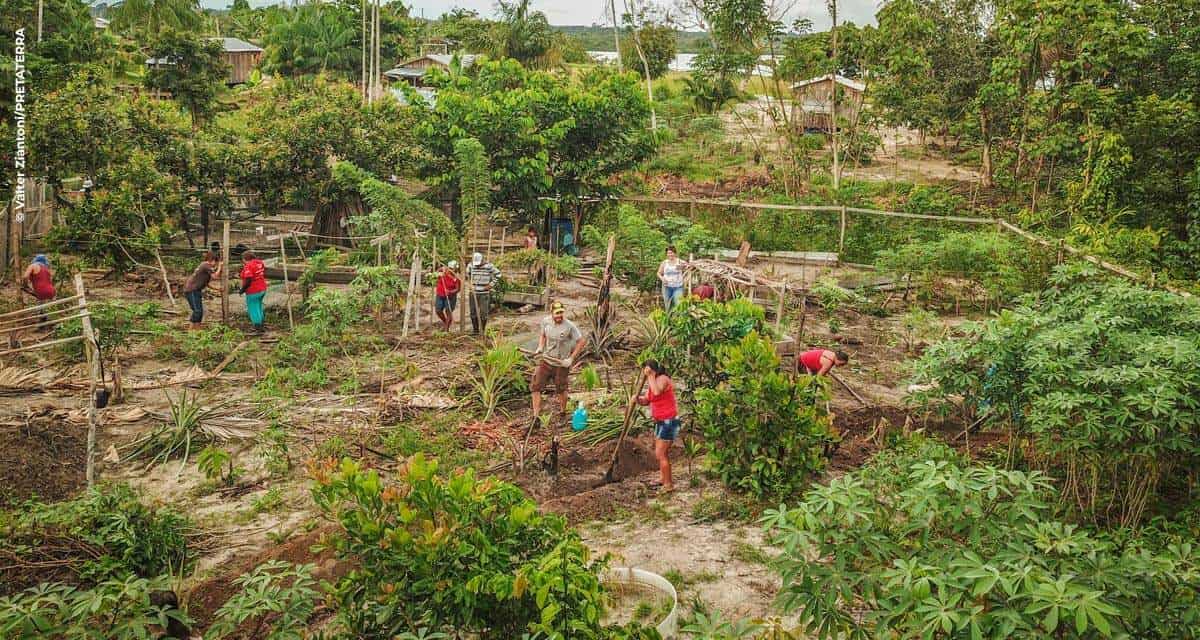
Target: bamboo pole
408, 302
842, 233
287, 290
166, 280
225, 273
417, 291
26, 310
433, 287
92, 351
40, 345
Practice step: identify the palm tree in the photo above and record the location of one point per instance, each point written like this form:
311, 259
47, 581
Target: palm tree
153, 16
314, 39
524, 36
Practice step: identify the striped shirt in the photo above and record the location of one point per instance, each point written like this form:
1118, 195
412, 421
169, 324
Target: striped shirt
483, 276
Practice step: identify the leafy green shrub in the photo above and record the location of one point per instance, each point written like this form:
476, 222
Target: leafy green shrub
995, 267
114, 324
205, 348
923, 544
695, 332
534, 259
459, 555
116, 609
106, 533
642, 247
279, 597
687, 237
1100, 373
767, 432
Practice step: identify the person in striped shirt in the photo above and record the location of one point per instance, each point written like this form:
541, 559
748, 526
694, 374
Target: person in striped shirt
483, 276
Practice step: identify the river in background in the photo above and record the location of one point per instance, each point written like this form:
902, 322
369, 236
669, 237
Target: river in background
681, 61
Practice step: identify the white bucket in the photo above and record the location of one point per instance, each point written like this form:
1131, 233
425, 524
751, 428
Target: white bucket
641, 579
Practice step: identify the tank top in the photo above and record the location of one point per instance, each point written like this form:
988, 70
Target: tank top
812, 359
662, 406
672, 274
42, 283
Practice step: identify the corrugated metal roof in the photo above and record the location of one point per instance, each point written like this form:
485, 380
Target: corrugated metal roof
842, 80
232, 45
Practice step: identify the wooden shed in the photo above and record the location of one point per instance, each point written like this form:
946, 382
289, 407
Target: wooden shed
815, 98
412, 71
241, 56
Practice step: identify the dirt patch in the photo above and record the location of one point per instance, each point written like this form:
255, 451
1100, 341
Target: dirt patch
43, 459
864, 433
205, 598
719, 189
579, 490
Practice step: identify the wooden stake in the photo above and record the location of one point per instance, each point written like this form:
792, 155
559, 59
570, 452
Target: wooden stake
166, 281
416, 276
91, 348
842, 233
408, 303
433, 287
225, 273
286, 289
779, 309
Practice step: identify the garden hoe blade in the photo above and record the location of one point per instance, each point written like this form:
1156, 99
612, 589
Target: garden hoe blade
608, 475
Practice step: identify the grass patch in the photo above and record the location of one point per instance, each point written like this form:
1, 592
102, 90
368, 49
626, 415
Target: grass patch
435, 433
749, 553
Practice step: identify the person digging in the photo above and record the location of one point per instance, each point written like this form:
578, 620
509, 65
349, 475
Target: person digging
559, 344
819, 362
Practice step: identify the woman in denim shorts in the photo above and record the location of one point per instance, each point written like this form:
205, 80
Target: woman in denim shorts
660, 397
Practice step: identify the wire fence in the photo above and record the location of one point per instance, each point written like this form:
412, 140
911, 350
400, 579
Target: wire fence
858, 235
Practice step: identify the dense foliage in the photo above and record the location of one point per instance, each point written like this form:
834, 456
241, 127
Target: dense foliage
456, 554
116, 609
696, 332
920, 543
546, 135
767, 432
643, 242
105, 534
1101, 374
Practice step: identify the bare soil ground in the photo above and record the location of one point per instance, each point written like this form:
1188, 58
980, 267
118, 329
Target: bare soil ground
718, 559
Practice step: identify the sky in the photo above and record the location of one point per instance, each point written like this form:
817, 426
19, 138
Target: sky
585, 12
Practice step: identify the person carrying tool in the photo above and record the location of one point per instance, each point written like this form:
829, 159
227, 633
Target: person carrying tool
448, 286
483, 276
819, 362
670, 273
254, 287
38, 279
559, 344
193, 289
660, 397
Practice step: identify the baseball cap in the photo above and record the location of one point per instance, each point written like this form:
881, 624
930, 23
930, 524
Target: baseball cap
453, 264
557, 309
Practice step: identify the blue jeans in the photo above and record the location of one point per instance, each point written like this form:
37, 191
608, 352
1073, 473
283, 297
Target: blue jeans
254, 307
195, 300
671, 296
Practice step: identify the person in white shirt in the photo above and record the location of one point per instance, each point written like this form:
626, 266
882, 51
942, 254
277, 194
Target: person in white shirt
670, 273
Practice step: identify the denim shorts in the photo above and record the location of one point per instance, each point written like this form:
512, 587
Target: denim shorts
666, 429
445, 303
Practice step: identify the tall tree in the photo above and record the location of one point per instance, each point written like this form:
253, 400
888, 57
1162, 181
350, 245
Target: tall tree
191, 69
148, 18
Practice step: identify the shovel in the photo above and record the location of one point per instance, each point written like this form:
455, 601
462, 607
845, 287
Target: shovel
641, 382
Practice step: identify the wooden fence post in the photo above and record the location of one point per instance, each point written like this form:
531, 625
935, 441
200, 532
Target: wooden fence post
91, 348
842, 232
286, 289
225, 267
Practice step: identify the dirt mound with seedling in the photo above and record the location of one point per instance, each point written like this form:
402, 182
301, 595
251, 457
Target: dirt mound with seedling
41, 458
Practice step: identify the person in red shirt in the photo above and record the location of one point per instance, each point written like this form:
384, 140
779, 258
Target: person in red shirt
819, 362
38, 279
660, 397
448, 286
254, 287
705, 292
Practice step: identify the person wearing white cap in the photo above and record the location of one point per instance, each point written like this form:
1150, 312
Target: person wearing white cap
483, 276
448, 286
559, 344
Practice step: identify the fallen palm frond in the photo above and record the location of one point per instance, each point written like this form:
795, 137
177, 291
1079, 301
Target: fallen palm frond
190, 424
604, 424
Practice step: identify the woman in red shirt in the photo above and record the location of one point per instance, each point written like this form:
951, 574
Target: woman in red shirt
447, 289
39, 280
254, 287
818, 362
660, 396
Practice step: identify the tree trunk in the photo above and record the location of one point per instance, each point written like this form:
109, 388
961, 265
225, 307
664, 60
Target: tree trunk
986, 160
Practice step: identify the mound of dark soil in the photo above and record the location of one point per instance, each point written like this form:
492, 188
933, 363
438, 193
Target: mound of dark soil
42, 459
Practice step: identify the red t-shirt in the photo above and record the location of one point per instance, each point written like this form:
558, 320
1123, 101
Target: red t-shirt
812, 359
704, 292
42, 283
257, 272
447, 285
662, 406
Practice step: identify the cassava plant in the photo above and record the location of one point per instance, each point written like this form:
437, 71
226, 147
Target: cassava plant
1099, 374
922, 544
274, 602
689, 340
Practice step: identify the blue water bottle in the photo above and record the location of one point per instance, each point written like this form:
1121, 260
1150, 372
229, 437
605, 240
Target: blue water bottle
579, 420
